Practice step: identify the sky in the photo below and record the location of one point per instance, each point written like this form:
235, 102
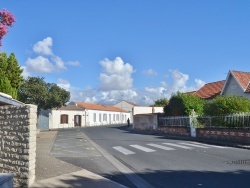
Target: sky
105, 51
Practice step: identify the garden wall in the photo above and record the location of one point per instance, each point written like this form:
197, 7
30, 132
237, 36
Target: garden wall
236, 135
18, 143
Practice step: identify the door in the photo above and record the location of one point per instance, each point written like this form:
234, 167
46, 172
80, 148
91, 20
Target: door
77, 121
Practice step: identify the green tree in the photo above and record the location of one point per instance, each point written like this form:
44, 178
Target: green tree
5, 86
161, 102
11, 73
225, 105
34, 90
181, 104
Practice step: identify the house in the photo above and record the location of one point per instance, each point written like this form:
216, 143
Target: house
237, 83
210, 90
127, 107
81, 114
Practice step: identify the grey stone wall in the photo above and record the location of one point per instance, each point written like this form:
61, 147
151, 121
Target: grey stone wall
145, 121
18, 143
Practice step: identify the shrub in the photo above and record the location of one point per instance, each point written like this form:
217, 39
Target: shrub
225, 105
181, 104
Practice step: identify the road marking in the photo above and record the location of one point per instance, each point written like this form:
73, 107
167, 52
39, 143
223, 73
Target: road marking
194, 145
177, 145
161, 147
214, 146
142, 148
123, 150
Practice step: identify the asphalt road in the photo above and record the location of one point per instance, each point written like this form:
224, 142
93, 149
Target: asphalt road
113, 151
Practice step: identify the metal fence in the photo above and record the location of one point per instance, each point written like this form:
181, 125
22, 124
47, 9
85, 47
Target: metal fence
241, 120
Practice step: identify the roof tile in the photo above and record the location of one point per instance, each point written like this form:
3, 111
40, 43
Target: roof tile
98, 107
243, 79
210, 90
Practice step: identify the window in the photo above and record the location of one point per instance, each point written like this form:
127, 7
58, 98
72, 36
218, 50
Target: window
94, 117
64, 118
100, 117
117, 117
104, 117
113, 117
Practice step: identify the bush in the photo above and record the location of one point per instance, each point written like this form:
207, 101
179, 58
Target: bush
225, 105
181, 104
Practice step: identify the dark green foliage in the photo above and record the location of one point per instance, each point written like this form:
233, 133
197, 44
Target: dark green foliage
11, 73
5, 86
34, 90
225, 105
183, 104
161, 102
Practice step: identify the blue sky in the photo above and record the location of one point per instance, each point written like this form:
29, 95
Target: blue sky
103, 51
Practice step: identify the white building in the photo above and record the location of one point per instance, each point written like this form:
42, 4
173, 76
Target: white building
127, 107
81, 114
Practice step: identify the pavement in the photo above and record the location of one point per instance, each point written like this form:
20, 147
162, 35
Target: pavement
54, 173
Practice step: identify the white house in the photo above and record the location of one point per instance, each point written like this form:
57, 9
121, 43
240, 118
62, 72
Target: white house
127, 107
237, 83
81, 114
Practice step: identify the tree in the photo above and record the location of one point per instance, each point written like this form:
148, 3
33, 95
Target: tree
34, 90
181, 104
161, 102
225, 105
11, 73
6, 20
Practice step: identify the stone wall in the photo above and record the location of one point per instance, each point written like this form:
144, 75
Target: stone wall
145, 121
18, 143
236, 135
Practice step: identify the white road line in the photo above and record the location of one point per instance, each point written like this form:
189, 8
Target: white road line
142, 148
194, 145
161, 147
214, 146
177, 145
123, 150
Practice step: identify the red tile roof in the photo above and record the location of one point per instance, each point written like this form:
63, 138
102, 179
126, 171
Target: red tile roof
91, 106
210, 90
243, 78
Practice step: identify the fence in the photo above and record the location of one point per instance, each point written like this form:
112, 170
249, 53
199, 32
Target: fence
241, 120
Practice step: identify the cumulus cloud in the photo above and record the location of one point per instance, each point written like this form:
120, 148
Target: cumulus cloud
25, 73
199, 83
44, 47
39, 64
143, 97
116, 75
150, 72
64, 84
46, 61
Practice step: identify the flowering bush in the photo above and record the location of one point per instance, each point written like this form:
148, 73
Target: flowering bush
6, 20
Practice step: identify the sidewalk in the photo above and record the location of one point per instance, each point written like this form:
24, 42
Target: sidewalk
54, 173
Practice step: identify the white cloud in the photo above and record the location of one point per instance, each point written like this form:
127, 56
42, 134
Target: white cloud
73, 63
25, 73
63, 84
150, 72
39, 64
59, 64
46, 61
44, 47
116, 75
143, 97
199, 83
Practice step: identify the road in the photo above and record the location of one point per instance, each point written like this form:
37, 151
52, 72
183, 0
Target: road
141, 160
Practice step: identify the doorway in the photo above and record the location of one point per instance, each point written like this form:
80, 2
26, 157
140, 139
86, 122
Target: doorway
77, 121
